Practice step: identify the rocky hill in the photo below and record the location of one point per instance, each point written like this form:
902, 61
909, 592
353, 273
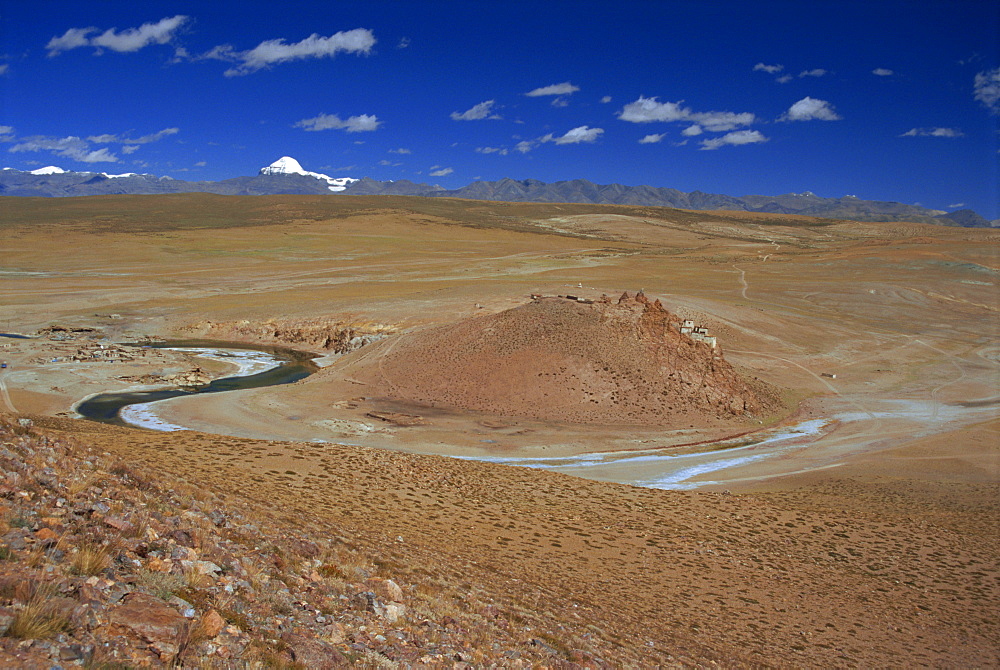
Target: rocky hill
608, 361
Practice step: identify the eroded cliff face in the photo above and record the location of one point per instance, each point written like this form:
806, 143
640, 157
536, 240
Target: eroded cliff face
609, 362
333, 336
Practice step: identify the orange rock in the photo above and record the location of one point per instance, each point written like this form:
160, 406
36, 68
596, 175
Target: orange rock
152, 620
158, 565
46, 535
212, 624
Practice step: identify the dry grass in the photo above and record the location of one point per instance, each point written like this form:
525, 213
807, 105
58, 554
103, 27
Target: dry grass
91, 559
160, 584
195, 579
38, 619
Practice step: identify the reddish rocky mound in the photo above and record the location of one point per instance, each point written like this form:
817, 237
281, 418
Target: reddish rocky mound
557, 359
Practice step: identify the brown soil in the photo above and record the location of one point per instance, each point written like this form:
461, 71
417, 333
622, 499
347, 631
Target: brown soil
872, 545
557, 359
843, 572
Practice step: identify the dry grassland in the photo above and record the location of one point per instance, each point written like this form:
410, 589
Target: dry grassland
874, 544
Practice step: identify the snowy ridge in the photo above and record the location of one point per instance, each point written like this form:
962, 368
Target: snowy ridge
49, 169
288, 165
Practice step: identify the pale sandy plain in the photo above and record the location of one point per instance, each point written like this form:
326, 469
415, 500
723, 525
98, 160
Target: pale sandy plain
882, 335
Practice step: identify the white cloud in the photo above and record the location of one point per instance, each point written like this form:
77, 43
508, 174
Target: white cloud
645, 110
810, 109
4, 68
270, 52
882, 72
501, 151
130, 39
99, 156
652, 139
575, 136
353, 124
145, 139
72, 147
200, 164
443, 172
735, 138
483, 110
403, 43
400, 150
933, 132
130, 148
389, 163
564, 88
784, 79
155, 137
71, 39
6, 130
956, 205
606, 99
692, 131
524, 146
560, 102
986, 89
818, 72
718, 122
770, 69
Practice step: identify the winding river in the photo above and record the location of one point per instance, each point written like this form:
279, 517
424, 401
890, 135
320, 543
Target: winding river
849, 428
257, 367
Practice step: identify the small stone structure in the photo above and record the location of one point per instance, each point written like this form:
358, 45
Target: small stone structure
697, 333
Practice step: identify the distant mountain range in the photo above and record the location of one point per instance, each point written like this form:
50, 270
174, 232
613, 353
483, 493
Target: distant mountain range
286, 176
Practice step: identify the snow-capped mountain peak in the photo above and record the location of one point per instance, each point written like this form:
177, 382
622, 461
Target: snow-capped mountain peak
288, 165
284, 165
49, 169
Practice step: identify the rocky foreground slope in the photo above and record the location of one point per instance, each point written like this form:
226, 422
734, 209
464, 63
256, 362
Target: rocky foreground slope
104, 564
621, 361
124, 548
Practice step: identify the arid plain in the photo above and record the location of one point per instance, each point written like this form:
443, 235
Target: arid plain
851, 523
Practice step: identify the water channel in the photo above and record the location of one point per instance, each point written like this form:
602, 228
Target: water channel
822, 443
258, 366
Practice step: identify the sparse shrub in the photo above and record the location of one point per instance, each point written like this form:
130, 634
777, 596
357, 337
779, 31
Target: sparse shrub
258, 655
35, 556
91, 559
161, 585
20, 522
5, 553
331, 570
123, 471
38, 619
195, 579
279, 601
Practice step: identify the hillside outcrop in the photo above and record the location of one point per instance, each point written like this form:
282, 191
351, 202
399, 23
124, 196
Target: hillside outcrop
608, 361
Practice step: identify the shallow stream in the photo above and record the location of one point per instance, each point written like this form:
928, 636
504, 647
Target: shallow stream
257, 367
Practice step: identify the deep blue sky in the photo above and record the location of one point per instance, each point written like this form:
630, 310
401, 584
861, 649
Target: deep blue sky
193, 90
